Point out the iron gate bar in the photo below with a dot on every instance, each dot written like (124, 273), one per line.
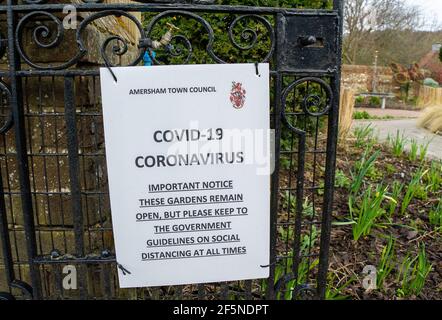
(74, 173)
(20, 141)
(4, 231)
(4, 236)
(152, 7)
(281, 73)
(299, 191)
(95, 260)
(332, 141)
(275, 175)
(74, 163)
(77, 73)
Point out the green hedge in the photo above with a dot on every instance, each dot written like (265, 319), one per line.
(220, 23)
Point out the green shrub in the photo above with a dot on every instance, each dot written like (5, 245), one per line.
(359, 100)
(359, 115)
(375, 101)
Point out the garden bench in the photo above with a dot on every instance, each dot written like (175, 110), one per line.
(381, 95)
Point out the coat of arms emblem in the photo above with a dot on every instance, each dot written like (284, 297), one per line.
(237, 95)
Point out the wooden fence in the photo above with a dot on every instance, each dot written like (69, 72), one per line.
(428, 96)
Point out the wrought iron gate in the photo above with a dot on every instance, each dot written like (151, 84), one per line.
(54, 206)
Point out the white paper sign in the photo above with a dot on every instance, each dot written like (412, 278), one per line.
(187, 156)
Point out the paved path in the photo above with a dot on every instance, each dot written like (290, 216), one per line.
(410, 130)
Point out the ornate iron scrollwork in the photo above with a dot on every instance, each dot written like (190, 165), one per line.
(25, 288)
(181, 38)
(314, 104)
(247, 35)
(50, 34)
(47, 38)
(117, 50)
(42, 35)
(6, 296)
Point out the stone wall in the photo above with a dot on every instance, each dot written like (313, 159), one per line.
(360, 78)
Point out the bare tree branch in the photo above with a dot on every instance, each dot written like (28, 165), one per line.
(371, 23)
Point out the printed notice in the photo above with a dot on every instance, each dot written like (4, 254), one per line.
(188, 161)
